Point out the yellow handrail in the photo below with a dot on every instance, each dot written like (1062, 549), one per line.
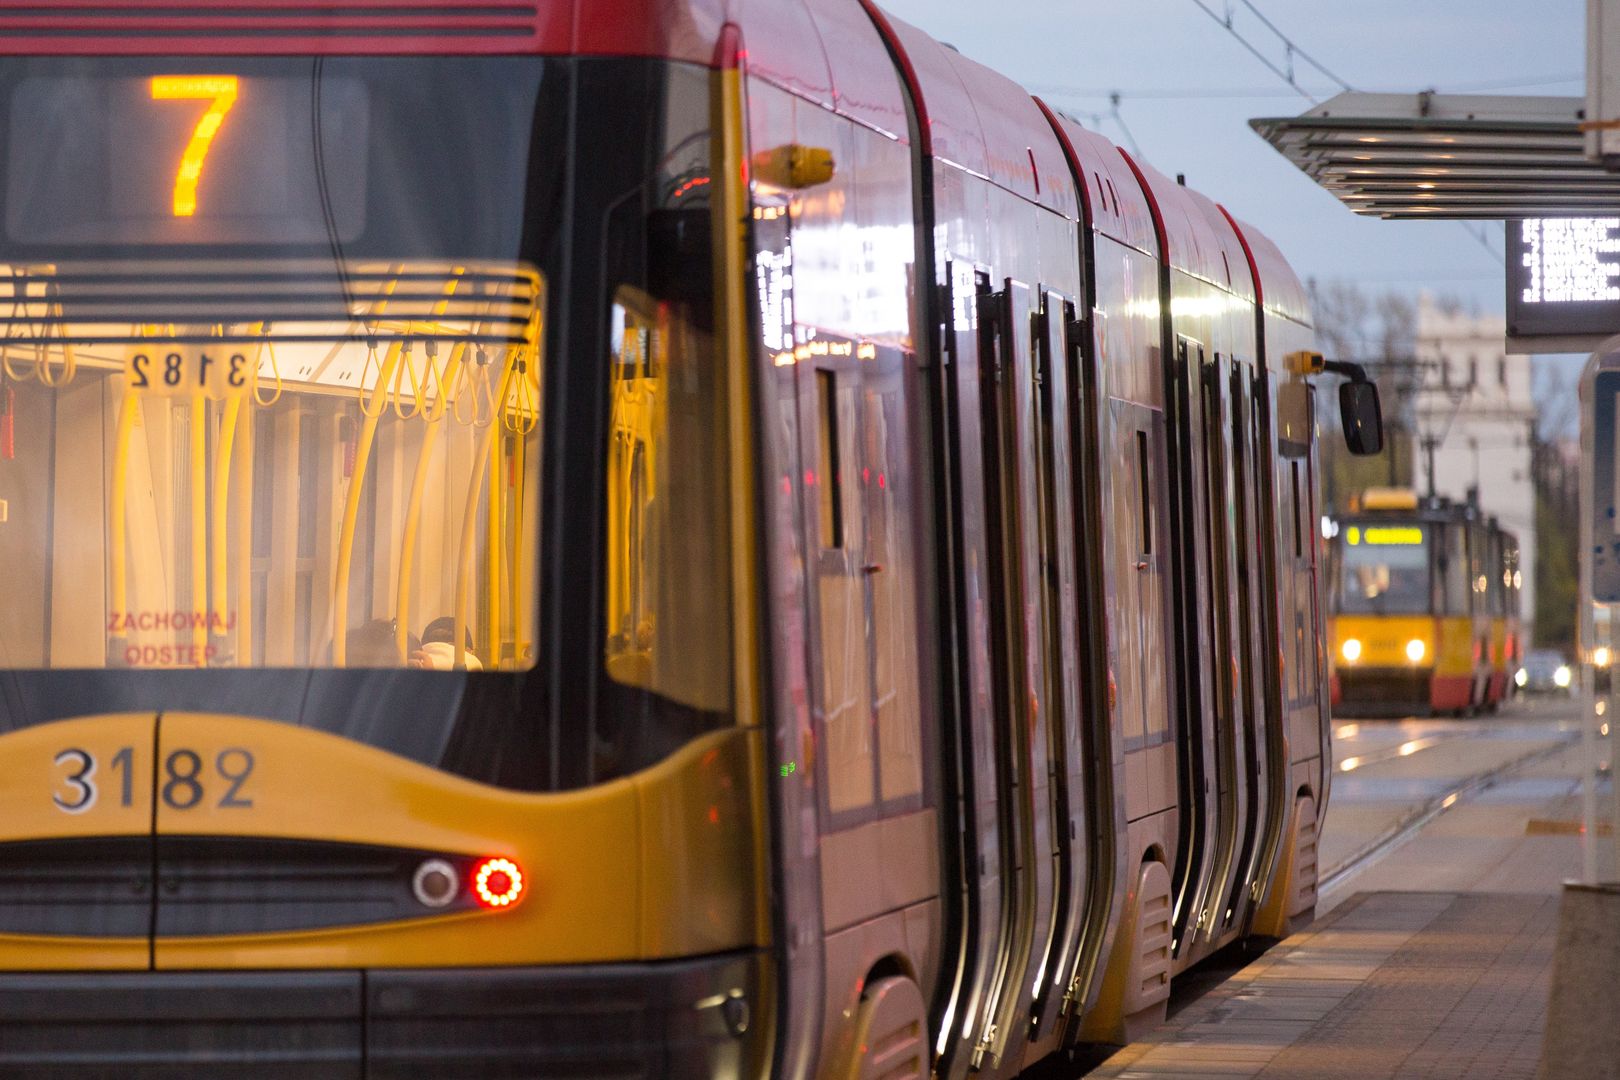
(494, 521)
(413, 509)
(351, 507)
(222, 492)
(118, 526)
(199, 528)
(244, 541)
(469, 525)
(515, 571)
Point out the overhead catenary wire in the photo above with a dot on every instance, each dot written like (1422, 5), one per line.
(1291, 50)
(1113, 103)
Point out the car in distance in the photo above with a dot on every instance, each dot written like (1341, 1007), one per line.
(1544, 672)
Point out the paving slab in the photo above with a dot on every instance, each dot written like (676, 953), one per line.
(1389, 986)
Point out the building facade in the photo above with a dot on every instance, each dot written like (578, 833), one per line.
(1474, 419)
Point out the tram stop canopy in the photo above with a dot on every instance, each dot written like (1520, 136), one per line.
(1429, 155)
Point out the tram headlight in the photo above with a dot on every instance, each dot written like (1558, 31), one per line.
(1561, 677)
(1521, 677)
(1600, 657)
(1350, 650)
(1416, 650)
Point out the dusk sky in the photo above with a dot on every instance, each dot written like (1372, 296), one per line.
(1188, 89)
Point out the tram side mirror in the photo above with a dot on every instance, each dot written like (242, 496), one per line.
(1361, 417)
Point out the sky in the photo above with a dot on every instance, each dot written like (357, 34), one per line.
(1188, 88)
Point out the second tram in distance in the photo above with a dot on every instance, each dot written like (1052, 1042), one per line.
(1425, 606)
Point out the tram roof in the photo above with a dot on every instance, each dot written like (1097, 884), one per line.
(1193, 242)
(981, 120)
(1116, 205)
(1281, 292)
(825, 50)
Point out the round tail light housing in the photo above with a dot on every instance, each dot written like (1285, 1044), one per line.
(435, 883)
(497, 883)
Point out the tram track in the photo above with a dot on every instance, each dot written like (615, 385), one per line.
(1407, 827)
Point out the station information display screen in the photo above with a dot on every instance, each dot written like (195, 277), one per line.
(1563, 277)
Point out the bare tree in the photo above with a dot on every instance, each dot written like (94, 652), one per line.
(1380, 332)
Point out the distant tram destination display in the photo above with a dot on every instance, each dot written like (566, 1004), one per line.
(1563, 276)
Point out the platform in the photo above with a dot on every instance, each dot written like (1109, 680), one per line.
(1397, 985)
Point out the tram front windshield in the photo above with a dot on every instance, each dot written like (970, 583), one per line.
(281, 387)
(1383, 570)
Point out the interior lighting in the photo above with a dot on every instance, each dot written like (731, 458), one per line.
(1415, 650)
(1350, 650)
(1600, 656)
(497, 883)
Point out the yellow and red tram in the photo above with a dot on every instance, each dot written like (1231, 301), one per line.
(629, 538)
(1425, 606)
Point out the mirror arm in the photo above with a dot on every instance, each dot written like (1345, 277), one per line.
(1352, 371)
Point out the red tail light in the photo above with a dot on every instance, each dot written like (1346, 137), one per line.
(497, 883)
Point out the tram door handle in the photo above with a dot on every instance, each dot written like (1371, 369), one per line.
(871, 568)
(1142, 564)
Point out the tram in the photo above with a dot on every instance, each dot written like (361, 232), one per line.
(1425, 606)
(627, 539)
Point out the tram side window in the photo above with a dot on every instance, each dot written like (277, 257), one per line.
(889, 565)
(1454, 572)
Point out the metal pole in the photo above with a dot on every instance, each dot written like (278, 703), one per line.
(1586, 646)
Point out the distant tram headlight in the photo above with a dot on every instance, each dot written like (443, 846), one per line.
(1415, 650)
(1350, 650)
(1561, 677)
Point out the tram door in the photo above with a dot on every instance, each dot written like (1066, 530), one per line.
(1053, 377)
(1024, 710)
(1228, 675)
(1268, 553)
(1250, 566)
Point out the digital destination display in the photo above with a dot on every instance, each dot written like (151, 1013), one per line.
(210, 158)
(1563, 277)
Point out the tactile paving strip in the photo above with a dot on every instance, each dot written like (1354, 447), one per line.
(1390, 986)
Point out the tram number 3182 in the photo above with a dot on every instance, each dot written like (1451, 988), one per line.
(190, 372)
(183, 783)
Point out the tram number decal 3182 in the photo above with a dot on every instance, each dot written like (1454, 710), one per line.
(203, 372)
(184, 782)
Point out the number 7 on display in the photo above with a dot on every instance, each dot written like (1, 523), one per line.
(221, 91)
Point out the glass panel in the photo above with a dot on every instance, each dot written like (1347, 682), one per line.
(889, 566)
(1384, 570)
(384, 241)
(1454, 571)
(846, 666)
(268, 304)
(667, 561)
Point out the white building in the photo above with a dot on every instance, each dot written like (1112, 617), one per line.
(1476, 408)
